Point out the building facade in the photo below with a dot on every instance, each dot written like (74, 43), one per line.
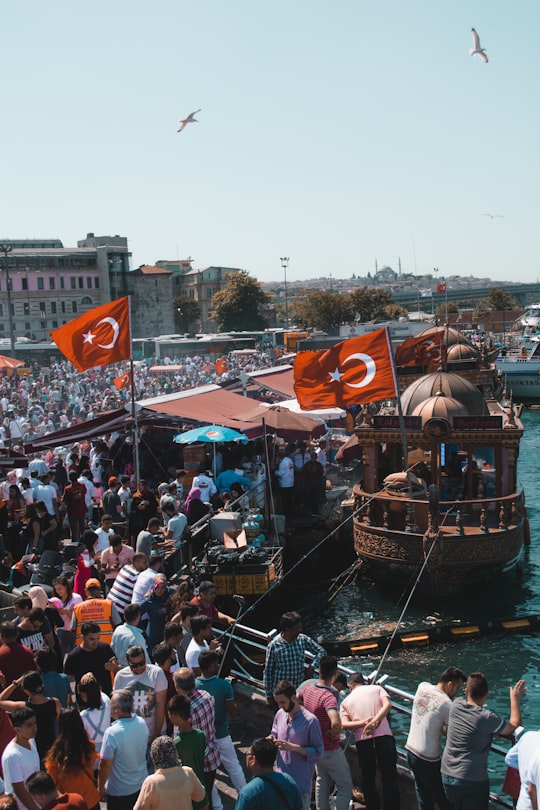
(51, 284)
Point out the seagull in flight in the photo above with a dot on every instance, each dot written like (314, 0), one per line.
(477, 49)
(189, 120)
(492, 216)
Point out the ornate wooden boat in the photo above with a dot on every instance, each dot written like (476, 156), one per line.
(470, 523)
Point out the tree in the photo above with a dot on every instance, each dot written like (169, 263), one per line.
(369, 303)
(238, 306)
(186, 312)
(321, 310)
(499, 300)
(394, 311)
(443, 308)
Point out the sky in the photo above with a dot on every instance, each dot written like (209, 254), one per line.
(336, 133)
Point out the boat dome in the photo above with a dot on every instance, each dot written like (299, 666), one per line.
(439, 406)
(461, 351)
(452, 386)
(449, 336)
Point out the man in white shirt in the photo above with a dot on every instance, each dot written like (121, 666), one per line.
(104, 532)
(86, 478)
(205, 484)
(47, 493)
(524, 756)
(20, 758)
(146, 578)
(285, 476)
(429, 720)
(148, 685)
(202, 639)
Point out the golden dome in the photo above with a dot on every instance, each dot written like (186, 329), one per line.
(452, 386)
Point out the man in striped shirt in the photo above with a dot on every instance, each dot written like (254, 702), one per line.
(122, 590)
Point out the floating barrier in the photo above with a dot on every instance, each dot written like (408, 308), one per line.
(428, 636)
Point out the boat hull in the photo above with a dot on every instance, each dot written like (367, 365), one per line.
(522, 378)
(456, 563)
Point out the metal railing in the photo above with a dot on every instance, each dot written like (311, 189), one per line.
(248, 648)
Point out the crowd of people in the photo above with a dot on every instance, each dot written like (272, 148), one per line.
(118, 696)
(48, 399)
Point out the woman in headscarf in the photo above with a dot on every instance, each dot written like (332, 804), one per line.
(156, 606)
(172, 785)
(194, 508)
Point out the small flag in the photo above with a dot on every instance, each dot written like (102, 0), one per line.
(441, 288)
(220, 366)
(423, 350)
(123, 381)
(99, 337)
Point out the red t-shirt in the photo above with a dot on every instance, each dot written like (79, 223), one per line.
(317, 700)
(16, 660)
(209, 610)
(74, 499)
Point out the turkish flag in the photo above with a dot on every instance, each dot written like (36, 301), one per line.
(350, 373)
(220, 366)
(123, 381)
(424, 350)
(441, 288)
(97, 338)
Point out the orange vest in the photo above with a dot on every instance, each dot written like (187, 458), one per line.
(98, 611)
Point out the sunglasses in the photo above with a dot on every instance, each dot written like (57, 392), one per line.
(137, 664)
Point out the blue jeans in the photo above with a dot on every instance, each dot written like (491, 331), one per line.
(333, 769)
(428, 783)
(465, 794)
(379, 751)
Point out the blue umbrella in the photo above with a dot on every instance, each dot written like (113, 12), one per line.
(210, 433)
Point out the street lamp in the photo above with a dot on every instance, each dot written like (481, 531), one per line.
(6, 250)
(285, 263)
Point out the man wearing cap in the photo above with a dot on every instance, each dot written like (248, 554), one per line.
(111, 503)
(75, 503)
(97, 610)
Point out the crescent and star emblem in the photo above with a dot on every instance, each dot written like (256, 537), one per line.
(113, 323)
(371, 370)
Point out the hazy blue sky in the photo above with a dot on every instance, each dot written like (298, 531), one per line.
(335, 132)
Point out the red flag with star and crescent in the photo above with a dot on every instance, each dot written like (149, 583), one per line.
(97, 338)
(422, 350)
(352, 372)
(123, 381)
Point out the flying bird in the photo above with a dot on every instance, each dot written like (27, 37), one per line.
(477, 49)
(492, 216)
(189, 120)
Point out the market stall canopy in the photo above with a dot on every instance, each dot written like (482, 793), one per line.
(9, 362)
(350, 450)
(207, 404)
(279, 379)
(104, 423)
(285, 423)
(321, 413)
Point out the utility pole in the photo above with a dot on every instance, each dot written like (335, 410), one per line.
(6, 250)
(284, 264)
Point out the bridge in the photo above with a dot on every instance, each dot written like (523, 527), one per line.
(411, 298)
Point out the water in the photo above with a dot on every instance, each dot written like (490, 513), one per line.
(503, 659)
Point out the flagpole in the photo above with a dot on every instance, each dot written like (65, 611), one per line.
(410, 508)
(134, 414)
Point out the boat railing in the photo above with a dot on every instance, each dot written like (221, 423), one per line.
(248, 657)
(483, 513)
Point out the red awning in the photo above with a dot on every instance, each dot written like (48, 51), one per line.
(212, 405)
(279, 379)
